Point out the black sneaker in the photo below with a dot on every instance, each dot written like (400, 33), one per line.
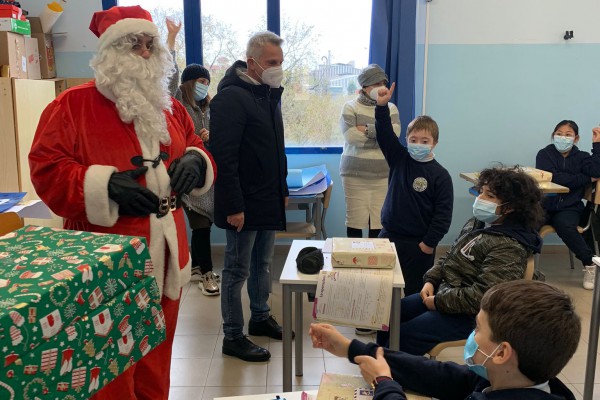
(269, 327)
(244, 349)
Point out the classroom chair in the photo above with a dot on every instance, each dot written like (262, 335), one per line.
(10, 221)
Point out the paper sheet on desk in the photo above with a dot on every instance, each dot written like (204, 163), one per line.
(299, 178)
(31, 209)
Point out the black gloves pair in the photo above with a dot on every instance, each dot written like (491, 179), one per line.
(186, 173)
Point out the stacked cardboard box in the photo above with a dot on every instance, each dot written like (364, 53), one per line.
(45, 48)
(76, 310)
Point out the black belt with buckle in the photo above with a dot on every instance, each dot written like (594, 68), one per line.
(166, 204)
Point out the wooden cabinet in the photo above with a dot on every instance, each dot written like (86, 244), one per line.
(22, 102)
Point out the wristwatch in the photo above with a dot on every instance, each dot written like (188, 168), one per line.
(367, 130)
(380, 379)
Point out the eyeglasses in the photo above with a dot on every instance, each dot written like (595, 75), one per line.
(142, 44)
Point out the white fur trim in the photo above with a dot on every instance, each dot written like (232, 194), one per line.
(210, 172)
(99, 208)
(125, 27)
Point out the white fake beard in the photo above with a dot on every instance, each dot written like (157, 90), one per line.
(139, 88)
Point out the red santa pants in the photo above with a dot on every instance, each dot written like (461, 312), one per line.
(149, 378)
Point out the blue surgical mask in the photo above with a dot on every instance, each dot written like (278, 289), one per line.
(485, 211)
(563, 143)
(200, 91)
(471, 347)
(418, 151)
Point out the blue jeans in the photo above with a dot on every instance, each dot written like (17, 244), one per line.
(421, 329)
(248, 255)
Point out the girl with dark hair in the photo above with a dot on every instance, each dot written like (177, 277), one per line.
(574, 169)
(193, 94)
(492, 247)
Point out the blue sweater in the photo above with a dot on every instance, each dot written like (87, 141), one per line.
(574, 171)
(418, 204)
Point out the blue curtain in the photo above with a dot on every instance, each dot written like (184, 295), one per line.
(392, 47)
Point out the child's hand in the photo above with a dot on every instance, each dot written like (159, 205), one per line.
(326, 337)
(427, 291)
(172, 27)
(430, 303)
(596, 134)
(371, 368)
(384, 94)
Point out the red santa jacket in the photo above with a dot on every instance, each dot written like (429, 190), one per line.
(80, 141)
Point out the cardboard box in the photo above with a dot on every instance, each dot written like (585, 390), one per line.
(32, 54)
(15, 25)
(90, 352)
(12, 53)
(363, 253)
(46, 51)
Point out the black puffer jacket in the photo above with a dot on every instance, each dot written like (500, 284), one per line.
(247, 143)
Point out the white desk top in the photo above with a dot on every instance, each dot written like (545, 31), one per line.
(291, 275)
(297, 396)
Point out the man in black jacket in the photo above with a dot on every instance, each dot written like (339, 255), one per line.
(247, 143)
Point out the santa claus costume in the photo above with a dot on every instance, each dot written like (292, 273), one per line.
(124, 120)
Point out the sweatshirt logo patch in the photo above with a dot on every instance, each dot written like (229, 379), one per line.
(420, 184)
(466, 249)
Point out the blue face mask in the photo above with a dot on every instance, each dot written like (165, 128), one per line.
(563, 143)
(485, 211)
(471, 347)
(418, 151)
(200, 91)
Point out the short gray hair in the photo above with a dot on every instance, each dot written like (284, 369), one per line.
(258, 41)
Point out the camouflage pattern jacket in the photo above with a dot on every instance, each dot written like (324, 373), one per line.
(480, 258)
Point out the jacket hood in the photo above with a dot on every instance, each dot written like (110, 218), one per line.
(526, 236)
(232, 78)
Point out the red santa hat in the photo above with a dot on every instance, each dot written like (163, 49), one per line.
(117, 22)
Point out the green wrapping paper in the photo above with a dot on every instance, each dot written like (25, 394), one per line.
(58, 289)
(49, 277)
(90, 352)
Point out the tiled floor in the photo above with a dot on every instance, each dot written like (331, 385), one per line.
(200, 371)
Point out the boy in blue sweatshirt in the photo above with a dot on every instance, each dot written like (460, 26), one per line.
(417, 210)
(515, 352)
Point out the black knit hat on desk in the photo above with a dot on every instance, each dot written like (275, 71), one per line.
(193, 72)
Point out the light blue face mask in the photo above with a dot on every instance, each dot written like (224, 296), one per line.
(485, 211)
(200, 91)
(471, 347)
(418, 151)
(563, 143)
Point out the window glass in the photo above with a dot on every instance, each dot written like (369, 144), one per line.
(226, 27)
(326, 45)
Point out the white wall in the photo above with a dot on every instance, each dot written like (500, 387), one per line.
(513, 21)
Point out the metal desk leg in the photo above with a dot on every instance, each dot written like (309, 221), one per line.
(395, 319)
(318, 212)
(590, 368)
(287, 337)
(298, 353)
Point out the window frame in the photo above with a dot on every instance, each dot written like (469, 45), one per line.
(194, 51)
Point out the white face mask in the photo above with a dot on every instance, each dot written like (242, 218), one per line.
(373, 93)
(272, 76)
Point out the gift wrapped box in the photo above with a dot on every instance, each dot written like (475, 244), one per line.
(51, 277)
(363, 253)
(91, 351)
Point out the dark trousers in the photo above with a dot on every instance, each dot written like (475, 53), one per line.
(422, 329)
(414, 263)
(565, 223)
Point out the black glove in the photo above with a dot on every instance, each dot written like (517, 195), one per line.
(132, 198)
(187, 172)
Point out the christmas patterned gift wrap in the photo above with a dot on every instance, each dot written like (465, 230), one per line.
(90, 352)
(49, 277)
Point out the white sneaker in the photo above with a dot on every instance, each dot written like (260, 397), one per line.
(208, 284)
(196, 274)
(589, 275)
